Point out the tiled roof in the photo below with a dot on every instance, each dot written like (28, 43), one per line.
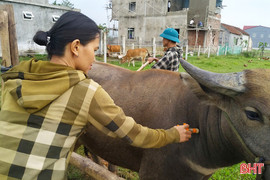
(242, 31)
(234, 30)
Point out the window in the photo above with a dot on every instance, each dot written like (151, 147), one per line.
(254, 35)
(27, 15)
(55, 18)
(130, 33)
(132, 6)
(236, 41)
(262, 35)
(169, 6)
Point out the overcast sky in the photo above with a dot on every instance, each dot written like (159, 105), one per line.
(236, 13)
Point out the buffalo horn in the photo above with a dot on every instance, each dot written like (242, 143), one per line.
(224, 83)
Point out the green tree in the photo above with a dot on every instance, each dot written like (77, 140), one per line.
(102, 26)
(262, 46)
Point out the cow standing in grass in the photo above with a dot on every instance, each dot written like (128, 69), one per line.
(231, 110)
(113, 49)
(135, 54)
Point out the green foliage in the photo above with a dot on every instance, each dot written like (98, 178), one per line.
(250, 54)
(244, 43)
(54, 2)
(127, 174)
(102, 26)
(230, 63)
(65, 3)
(0, 92)
(262, 46)
(73, 173)
(36, 56)
(232, 173)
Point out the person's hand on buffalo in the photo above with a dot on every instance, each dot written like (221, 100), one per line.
(184, 133)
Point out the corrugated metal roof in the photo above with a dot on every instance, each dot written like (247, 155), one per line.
(234, 30)
(248, 27)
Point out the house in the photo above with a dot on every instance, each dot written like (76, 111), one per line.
(141, 21)
(234, 38)
(258, 34)
(31, 16)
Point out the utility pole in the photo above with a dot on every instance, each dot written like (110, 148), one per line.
(108, 7)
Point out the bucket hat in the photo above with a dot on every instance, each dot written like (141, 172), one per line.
(170, 34)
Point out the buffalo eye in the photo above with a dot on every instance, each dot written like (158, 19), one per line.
(253, 114)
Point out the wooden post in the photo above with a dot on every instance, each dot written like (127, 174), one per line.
(199, 51)
(105, 45)
(186, 58)
(154, 47)
(13, 46)
(140, 42)
(218, 50)
(4, 44)
(154, 50)
(92, 169)
(132, 46)
(101, 44)
(197, 34)
(9, 45)
(6, 58)
(123, 45)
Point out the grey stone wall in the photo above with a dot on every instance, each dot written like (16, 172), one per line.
(42, 20)
(149, 20)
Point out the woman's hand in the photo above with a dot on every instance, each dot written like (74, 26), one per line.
(185, 134)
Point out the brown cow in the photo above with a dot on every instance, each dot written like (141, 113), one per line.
(134, 54)
(113, 49)
(231, 110)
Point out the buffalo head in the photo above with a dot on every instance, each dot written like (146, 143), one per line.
(245, 99)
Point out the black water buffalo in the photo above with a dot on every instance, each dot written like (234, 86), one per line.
(231, 110)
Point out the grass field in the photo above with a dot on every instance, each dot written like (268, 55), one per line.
(231, 63)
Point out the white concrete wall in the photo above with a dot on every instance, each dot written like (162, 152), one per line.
(247, 46)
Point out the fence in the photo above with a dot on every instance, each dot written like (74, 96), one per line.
(224, 50)
(158, 50)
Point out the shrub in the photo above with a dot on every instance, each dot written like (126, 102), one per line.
(250, 54)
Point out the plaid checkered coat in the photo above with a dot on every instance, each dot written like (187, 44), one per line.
(170, 60)
(45, 107)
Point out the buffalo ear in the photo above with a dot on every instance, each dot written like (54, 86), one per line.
(196, 88)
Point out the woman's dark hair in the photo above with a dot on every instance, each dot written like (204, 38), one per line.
(70, 26)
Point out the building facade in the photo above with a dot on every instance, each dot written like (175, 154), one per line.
(258, 34)
(142, 20)
(31, 16)
(234, 38)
